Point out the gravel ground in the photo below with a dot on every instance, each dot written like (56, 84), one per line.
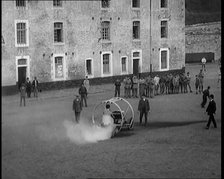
(175, 144)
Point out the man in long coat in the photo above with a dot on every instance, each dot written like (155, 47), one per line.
(143, 108)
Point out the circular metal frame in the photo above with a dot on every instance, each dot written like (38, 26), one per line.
(114, 101)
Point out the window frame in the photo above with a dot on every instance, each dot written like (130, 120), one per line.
(57, 7)
(63, 34)
(86, 74)
(164, 6)
(165, 20)
(27, 57)
(139, 30)
(140, 59)
(126, 65)
(27, 33)
(21, 7)
(110, 64)
(105, 8)
(139, 2)
(167, 59)
(64, 67)
(109, 29)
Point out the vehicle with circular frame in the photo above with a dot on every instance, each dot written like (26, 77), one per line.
(121, 112)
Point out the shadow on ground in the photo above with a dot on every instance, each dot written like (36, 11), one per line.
(157, 125)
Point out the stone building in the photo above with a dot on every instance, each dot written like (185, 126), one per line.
(68, 40)
(204, 38)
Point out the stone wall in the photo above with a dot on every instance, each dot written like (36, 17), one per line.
(203, 38)
(81, 30)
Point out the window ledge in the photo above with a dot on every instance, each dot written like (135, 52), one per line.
(105, 8)
(59, 43)
(23, 45)
(166, 69)
(136, 8)
(106, 41)
(136, 40)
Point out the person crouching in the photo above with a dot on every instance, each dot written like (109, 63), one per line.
(107, 118)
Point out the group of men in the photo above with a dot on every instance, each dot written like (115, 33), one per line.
(27, 88)
(151, 86)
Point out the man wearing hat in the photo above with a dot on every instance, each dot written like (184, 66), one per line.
(77, 108)
(211, 109)
(143, 108)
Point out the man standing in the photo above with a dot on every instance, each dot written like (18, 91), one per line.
(201, 80)
(77, 108)
(125, 87)
(204, 97)
(28, 87)
(135, 86)
(144, 108)
(156, 82)
(117, 88)
(203, 61)
(128, 83)
(196, 83)
(35, 87)
(141, 86)
(86, 84)
(211, 111)
(189, 81)
(23, 94)
(83, 93)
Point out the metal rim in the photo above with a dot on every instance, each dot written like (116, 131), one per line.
(113, 101)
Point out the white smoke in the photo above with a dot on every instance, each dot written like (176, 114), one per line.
(82, 133)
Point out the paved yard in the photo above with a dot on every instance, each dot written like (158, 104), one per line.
(174, 145)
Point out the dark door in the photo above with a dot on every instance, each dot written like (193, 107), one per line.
(21, 75)
(135, 66)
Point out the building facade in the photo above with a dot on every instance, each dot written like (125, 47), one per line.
(68, 40)
(204, 38)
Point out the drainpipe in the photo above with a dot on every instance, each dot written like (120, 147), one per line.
(150, 32)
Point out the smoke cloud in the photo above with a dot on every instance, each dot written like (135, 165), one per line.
(82, 133)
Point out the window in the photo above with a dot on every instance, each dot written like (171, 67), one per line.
(57, 3)
(136, 61)
(136, 3)
(106, 63)
(124, 64)
(136, 54)
(105, 30)
(22, 61)
(20, 3)
(164, 3)
(136, 30)
(89, 67)
(164, 29)
(58, 32)
(105, 3)
(59, 67)
(164, 59)
(21, 33)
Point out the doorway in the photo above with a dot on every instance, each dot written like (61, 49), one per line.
(21, 75)
(135, 67)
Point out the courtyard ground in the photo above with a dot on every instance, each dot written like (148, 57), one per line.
(175, 144)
